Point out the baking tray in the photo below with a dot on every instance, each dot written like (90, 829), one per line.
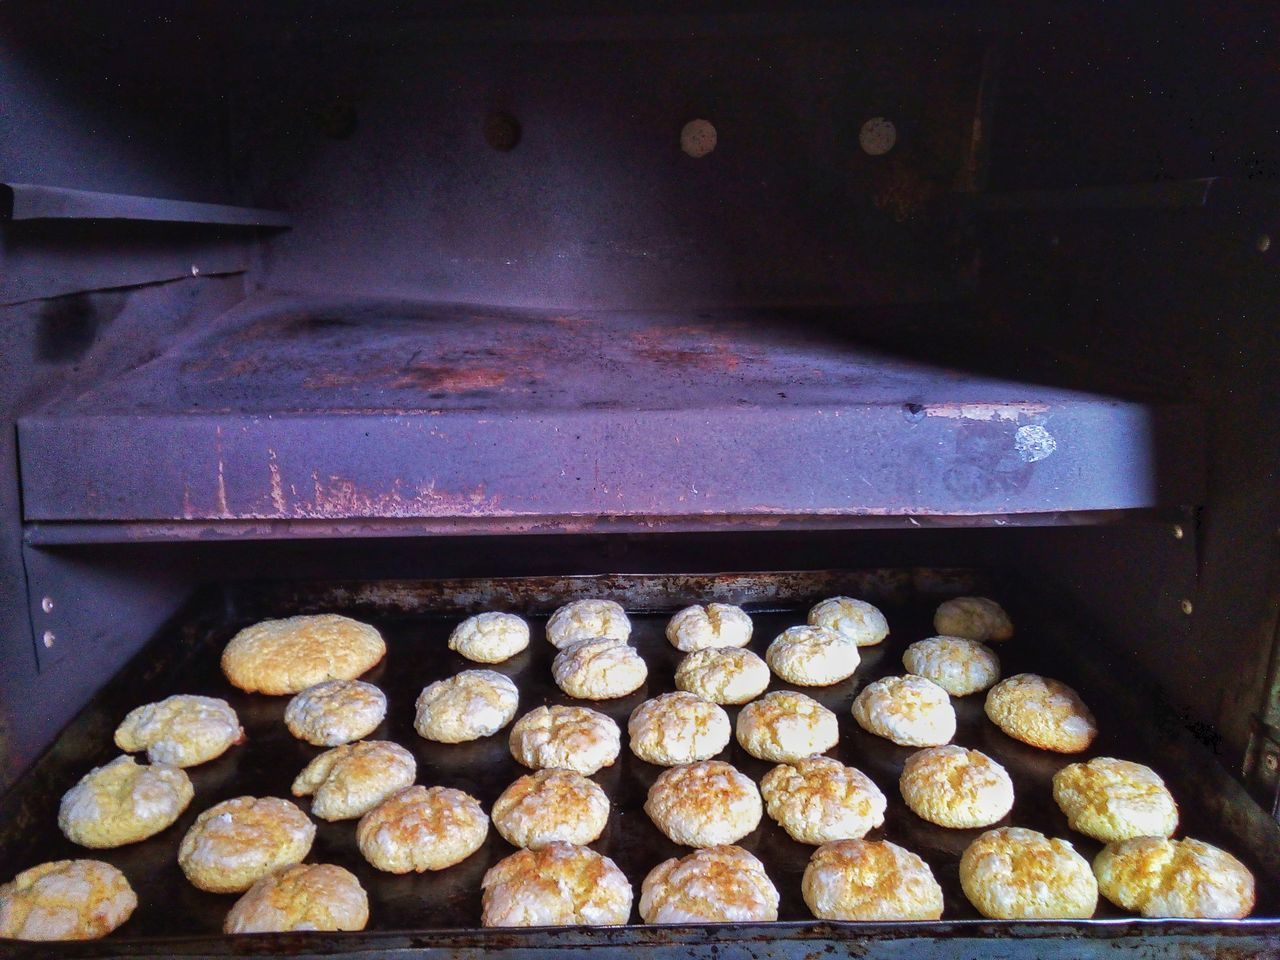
(440, 911)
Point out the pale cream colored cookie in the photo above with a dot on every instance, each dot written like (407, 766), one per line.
(715, 885)
(490, 637)
(957, 788)
(181, 731)
(819, 799)
(785, 726)
(910, 711)
(870, 880)
(574, 738)
(599, 669)
(973, 618)
(715, 625)
(1158, 877)
(854, 620)
(557, 885)
(588, 620)
(958, 666)
(550, 805)
(723, 675)
(704, 804)
(123, 802)
(422, 828)
(236, 843)
(335, 712)
(468, 706)
(1042, 712)
(1111, 800)
(678, 728)
(812, 656)
(65, 900)
(350, 780)
(1017, 874)
(287, 656)
(308, 896)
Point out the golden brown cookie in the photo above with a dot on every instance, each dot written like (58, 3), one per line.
(349, 781)
(308, 896)
(556, 885)
(1158, 877)
(785, 726)
(812, 656)
(870, 880)
(854, 620)
(704, 804)
(490, 637)
(723, 675)
(957, 788)
(236, 843)
(1017, 874)
(468, 706)
(1042, 712)
(548, 806)
(599, 669)
(909, 711)
(1110, 800)
(422, 828)
(287, 656)
(65, 900)
(715, 625)
(714, 885)
(678, 728)
(181, 731)
(587, 620)
(123, 802)
(819, 799)
(973, 618)
(574, 738)
(335, 712)
(958, 666)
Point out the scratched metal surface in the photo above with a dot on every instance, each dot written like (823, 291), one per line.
(291, 409)
(420, 911)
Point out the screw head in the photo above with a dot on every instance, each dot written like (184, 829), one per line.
(1271, 762)
(1178, 532)
(1263, 243)
(1186, 606)
(46, 604)
(48, 639)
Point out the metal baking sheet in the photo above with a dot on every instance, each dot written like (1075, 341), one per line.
(442, 909)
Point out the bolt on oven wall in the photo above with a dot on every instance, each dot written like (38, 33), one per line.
(374, 296)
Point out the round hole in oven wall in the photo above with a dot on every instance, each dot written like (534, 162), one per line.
(501, 131)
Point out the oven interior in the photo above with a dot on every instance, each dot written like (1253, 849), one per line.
(319, 293)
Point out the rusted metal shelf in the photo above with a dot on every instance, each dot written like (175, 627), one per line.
(294, 409)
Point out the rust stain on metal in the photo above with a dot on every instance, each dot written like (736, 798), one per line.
(693, 347)
(340, 497)
(984, 411)
(223, 508)
(277, 486)
(449, 379)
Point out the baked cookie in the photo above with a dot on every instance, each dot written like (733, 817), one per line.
(678, 728)
(599, 669)
(1042, 712)
(704, 804)
(973, 618)
(909, 711)
(819, 799)
(557, 885)
(714, 885)
(1111, 800)
(287, 656)
(854, 620)
(574, 738)
(1158, 877)
(723, 675)
(785, 726)
(182, 730)
(236, 843)
(715, 625)
(65, 900)
(958, 666)
(812, 656)
(870, 880)
(335, 712)
(422, 828)
(1017, 874)
(955, 787)
(123, 802)
(350, 780)
(587, 620)
(548, 806)
(490, 637)
(468, 706)
(308, 896)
